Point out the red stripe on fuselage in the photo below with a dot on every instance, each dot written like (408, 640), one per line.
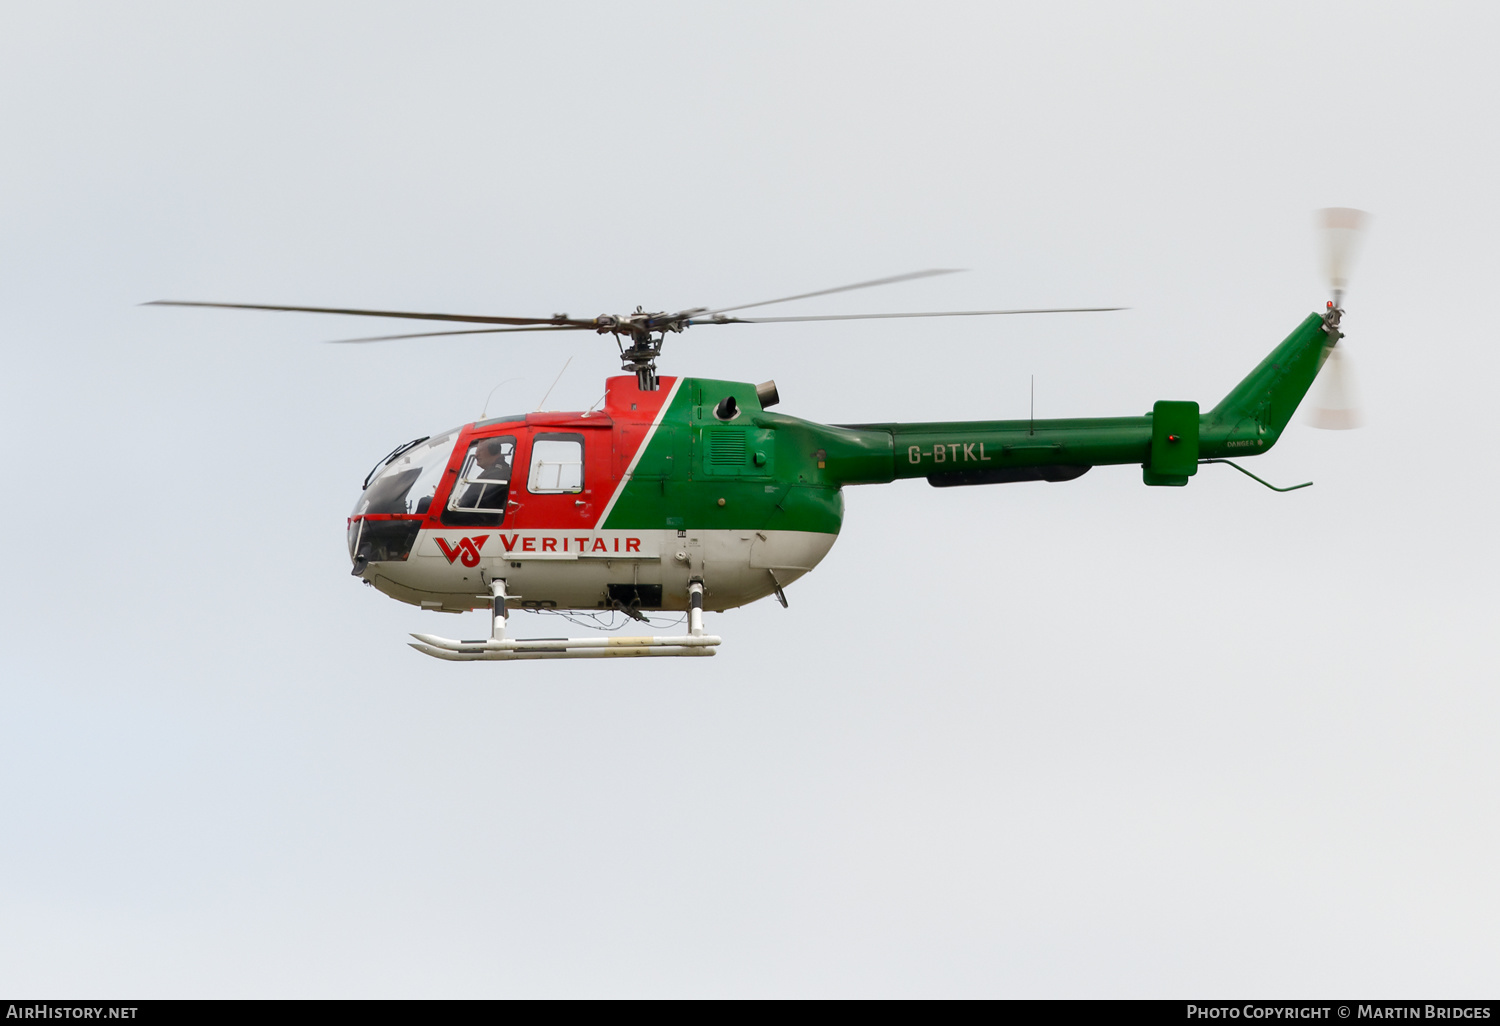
(613, 437)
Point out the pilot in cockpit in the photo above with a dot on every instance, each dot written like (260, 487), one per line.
(492, 458)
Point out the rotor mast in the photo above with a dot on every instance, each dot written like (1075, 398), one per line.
(647, 332)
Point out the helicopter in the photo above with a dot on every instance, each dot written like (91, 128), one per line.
(690, 495)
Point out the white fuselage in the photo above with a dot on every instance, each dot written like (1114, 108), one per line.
(450, 569)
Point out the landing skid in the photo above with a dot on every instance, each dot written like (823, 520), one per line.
(499, 648)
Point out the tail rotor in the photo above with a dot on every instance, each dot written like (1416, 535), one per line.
(1336, 406)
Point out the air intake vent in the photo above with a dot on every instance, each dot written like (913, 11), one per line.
(726, 448)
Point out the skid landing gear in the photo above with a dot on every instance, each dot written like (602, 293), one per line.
(499, 648)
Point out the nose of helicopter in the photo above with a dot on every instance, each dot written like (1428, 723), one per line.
(361, 560)
(381, 538)
(396, 494)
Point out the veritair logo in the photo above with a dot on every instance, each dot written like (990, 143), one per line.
(466, 551)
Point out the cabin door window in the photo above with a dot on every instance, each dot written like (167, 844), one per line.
(556, 464)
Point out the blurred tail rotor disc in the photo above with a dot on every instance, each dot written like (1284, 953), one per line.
(1336, 406)
(1341, 235)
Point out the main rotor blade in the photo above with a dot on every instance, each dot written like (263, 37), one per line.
(882, 316)
(842, 288)
(467, 318)
(471, 331)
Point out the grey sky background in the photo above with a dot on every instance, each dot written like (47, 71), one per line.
(1086, 739)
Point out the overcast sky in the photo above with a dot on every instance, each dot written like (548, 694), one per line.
(1086, 739)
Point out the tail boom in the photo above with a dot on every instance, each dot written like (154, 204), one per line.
(1168, 443)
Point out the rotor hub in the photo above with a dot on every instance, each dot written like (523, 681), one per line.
(1332, 318)
(646, 332)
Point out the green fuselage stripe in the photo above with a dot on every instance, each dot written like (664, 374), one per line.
(767, 471)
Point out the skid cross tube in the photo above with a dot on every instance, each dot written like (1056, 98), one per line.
(695, 608)
(499, 614)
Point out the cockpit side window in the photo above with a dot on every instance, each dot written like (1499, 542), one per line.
(479, 496)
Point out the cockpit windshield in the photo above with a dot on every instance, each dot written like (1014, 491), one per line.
(408, 479)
